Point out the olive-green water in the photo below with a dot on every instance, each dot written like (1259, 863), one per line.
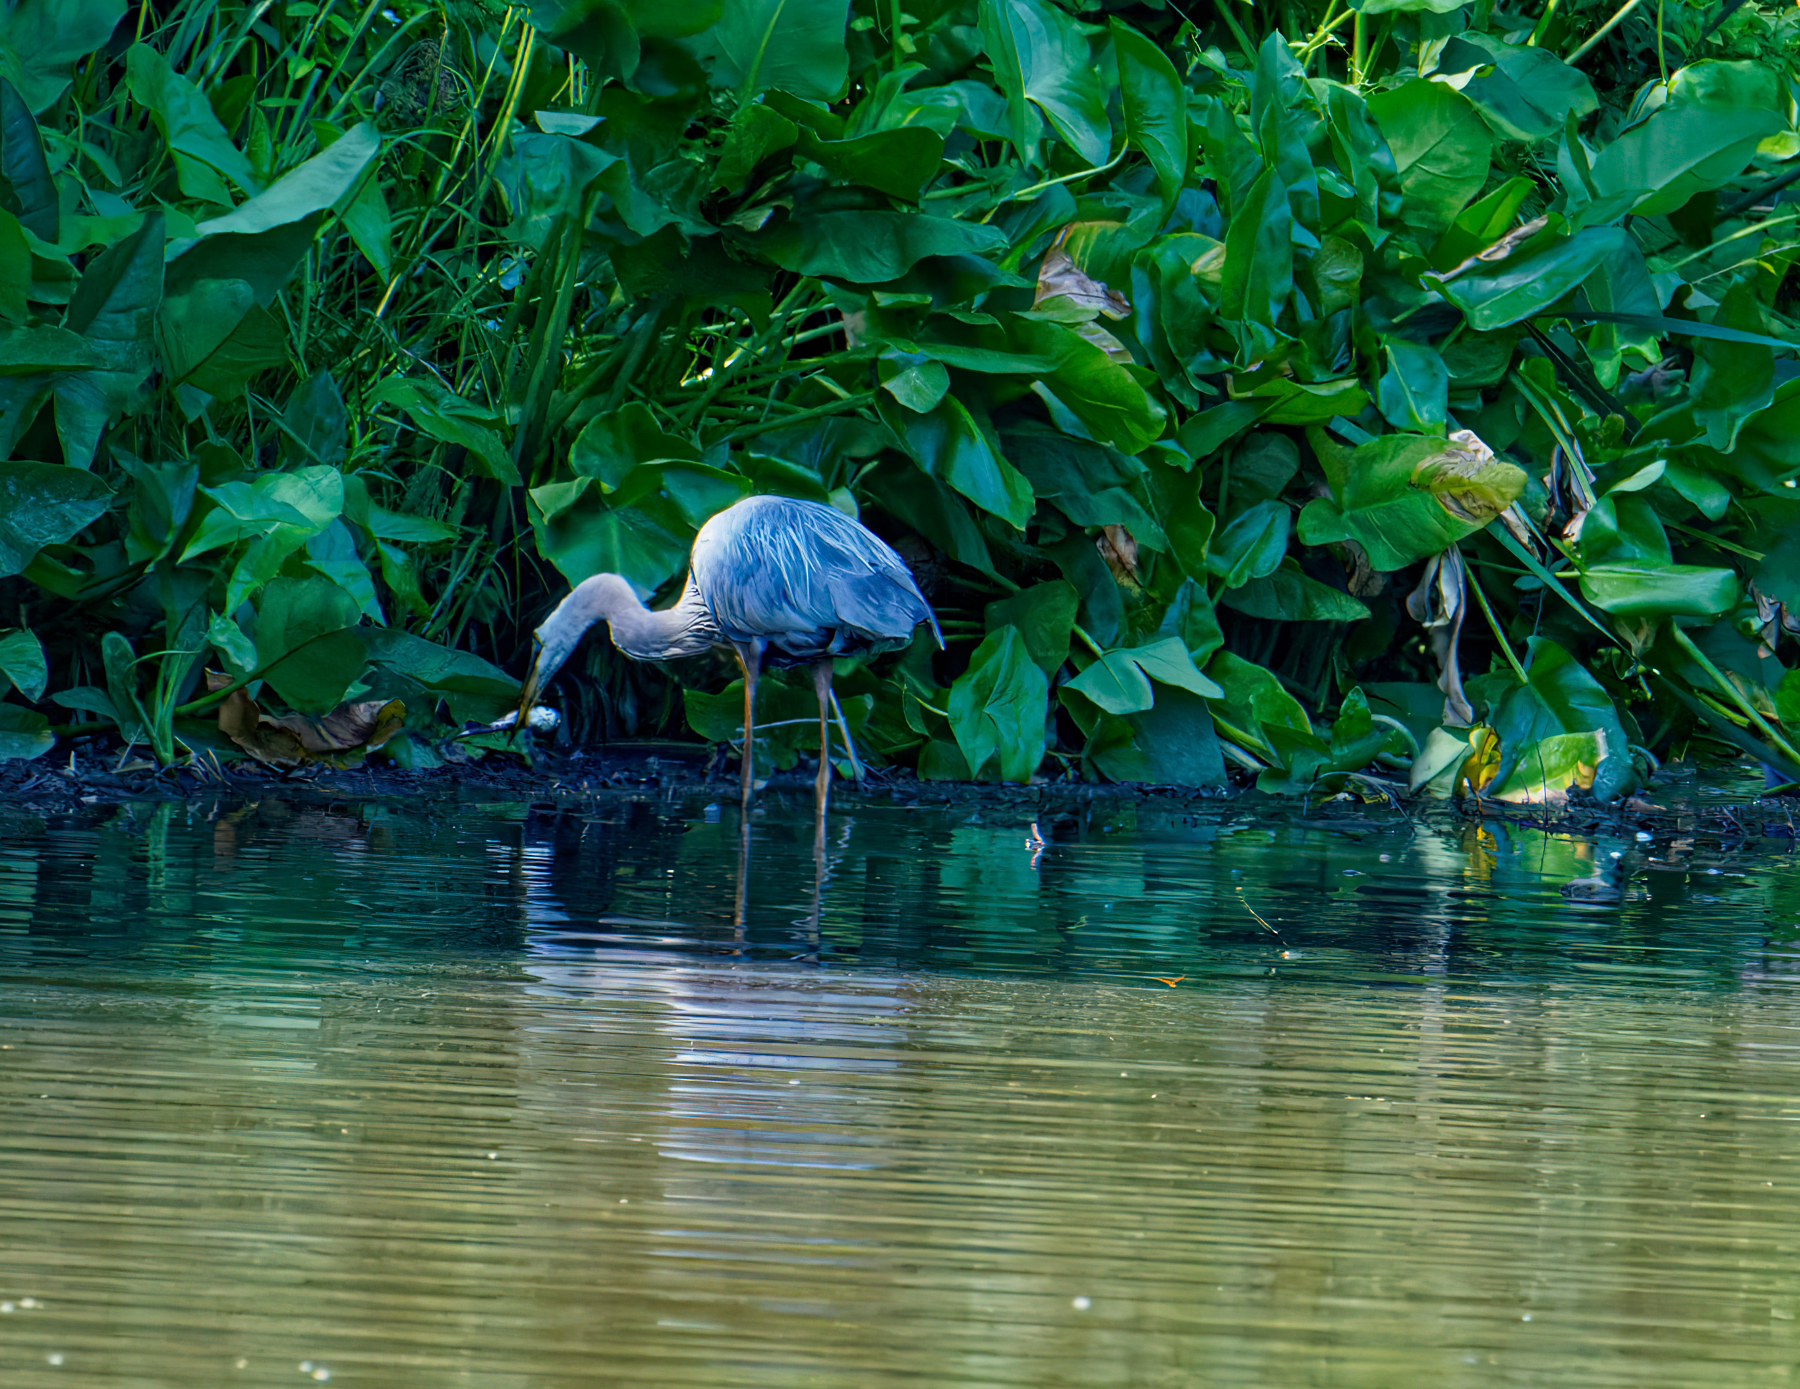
(426, 1096)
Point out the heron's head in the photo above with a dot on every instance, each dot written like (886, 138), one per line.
(555, 638)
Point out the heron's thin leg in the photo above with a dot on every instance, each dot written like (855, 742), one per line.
(749, 654)
(856, 766)
(822, 688)
(740, 911)
(818, 897)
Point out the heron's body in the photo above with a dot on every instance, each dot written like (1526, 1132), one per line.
(780, 581)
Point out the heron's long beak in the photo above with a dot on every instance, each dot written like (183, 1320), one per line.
(528, 691)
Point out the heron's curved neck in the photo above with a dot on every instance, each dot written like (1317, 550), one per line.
(683, 630)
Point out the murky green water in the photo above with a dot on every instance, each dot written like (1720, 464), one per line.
(414, 1097)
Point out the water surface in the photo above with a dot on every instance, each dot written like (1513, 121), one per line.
(407, 1095)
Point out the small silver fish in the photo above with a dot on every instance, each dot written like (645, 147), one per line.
(542, 719)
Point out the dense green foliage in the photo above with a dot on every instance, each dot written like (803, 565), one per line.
(1299, 386)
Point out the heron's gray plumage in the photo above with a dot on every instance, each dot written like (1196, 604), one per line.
(805, 579)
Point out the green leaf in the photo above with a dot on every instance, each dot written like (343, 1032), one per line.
(316, 185)
(1206, 433)
(896, 162)
(1530, 279)
(24, 167)
(1411, 6)
(1155, 106)
(582, 534)
(15, 269)
(1415, 392)
(114, 309)
(371, 227)
(30, 351)
(22, 663)
(160, 504)
(1640, 589)
(475, 690)
(1044, 615)
(1109, 398)
(1090, 484)
(1280, 399)
(1253, 699)
(120, 663)
(1192, 620)
(948, 444)
(918, 382)
(1289, 595)
(200, 147)
(795, 45)
(545, 179)
(998, 706)
(24, 734)
(871, 247)
(1042, 62)
(39, 39)
(1731, 382)
(1686, 327)
(316, 423)
(228, 639)
(300, 629)
(1173, 744)
(1560, 698)
(1259, 254)
(1404, 497)
(610, 446)
(1115, 683)
(1529, 94)
(1481, 224)
(300, 504)
(1166, 660)
(1252, 543)
(450, 419)
(215, 285)
(42, 504)
(1440, 146)
(1681, 150)
(756, 132)
(1545, 772)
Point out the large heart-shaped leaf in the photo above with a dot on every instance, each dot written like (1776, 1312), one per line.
(997, 707)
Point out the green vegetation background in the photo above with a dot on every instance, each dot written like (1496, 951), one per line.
(1303, 388)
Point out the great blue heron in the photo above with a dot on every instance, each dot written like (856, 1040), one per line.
(781, 582)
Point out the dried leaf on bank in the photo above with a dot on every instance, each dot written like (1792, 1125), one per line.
(338, 739)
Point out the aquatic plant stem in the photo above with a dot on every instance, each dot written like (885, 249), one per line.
(1494, 625)
(1619, 16)
(1735, 695)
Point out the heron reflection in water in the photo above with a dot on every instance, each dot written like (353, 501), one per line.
(781, 582)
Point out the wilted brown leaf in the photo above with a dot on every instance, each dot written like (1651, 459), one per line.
(338, 739)
(1059, 277)
(1440, 603)
(1118, 547)
(1468, 481)
(1570, 483)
